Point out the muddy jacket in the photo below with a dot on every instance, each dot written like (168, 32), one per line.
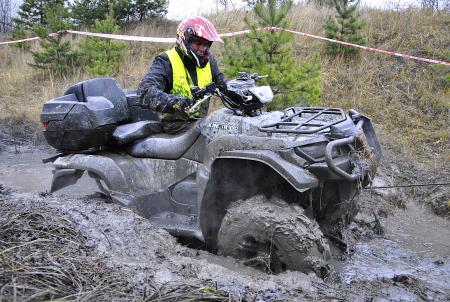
(155, 88)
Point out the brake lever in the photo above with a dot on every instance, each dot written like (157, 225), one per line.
(198, 93)
(205, 98)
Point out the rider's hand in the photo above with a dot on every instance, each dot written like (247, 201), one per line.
(181, 103)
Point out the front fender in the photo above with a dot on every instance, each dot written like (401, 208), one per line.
(237, 175)
(297, 177)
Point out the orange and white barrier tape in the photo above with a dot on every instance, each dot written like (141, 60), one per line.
(238, 33)
(388, 52)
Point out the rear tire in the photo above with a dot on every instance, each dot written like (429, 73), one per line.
(273, 236)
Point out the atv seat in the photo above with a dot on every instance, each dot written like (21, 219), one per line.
(127, 133)
(165, 146)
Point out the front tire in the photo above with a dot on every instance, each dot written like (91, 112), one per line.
(273, 236)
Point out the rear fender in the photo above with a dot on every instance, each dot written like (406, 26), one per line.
(69, 169)
(128, 180)
(65, 177)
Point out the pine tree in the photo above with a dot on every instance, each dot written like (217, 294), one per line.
(56, 56)
(344, 27)
(146, 9)
(124, 10)
(321, 2)
(33, 12)
(104, 56)
(269, 52)
(86, 12)
(137, 10)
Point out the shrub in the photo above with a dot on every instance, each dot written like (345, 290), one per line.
(104, 56)
(56, 55)
(270, 52)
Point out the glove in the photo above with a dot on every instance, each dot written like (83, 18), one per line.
(180, 103)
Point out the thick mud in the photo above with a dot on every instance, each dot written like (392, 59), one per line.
(415, 244)
(403, 257)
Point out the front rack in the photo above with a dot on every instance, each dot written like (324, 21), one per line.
(309, 125)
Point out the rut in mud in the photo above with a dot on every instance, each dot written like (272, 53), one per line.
(94, 250)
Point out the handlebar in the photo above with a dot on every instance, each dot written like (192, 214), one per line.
(237, 97)
(251, 76)
(199, 93)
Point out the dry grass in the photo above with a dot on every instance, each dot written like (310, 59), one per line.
(408, 99)
(45, 256)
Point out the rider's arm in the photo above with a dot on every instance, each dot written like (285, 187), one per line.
(154, 88)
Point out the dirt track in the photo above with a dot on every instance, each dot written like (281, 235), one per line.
(56, 246)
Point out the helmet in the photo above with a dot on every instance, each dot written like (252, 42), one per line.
(194, 37)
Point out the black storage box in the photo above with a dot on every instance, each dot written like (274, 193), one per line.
(86, 116)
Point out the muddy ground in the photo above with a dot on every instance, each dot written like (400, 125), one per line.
(76, 245)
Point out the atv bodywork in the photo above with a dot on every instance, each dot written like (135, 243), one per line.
(317, 159)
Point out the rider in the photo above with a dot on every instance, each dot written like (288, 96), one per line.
(166, 87)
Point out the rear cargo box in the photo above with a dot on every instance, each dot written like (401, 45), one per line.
(86, 116)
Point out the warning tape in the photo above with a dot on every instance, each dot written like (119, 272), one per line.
(28, 39)
(238, 33)
(124, 37)
(388, 52)
(18, 41)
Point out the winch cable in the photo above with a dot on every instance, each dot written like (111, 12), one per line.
(439, 184)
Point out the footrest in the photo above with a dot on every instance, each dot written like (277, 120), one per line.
(178, 225)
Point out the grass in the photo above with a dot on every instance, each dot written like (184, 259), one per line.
(408, 100)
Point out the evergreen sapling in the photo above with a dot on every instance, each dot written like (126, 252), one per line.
(270, 52)
(344, 26)
(56, 55)
(103, 56)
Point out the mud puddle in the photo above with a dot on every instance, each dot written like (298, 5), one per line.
(26, 173)
(416, 244)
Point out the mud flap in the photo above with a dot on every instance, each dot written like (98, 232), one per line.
(64, 177)
(371, 138)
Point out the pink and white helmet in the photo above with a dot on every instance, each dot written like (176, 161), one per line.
(195, 29)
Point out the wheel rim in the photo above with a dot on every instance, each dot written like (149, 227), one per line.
(261, 255)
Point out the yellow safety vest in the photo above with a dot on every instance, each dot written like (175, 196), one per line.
(181, 79)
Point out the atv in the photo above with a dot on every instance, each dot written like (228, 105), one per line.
(263, 187)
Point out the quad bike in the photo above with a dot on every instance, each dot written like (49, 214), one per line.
(263, 187)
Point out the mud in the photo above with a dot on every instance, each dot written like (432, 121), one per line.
(409, 263)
